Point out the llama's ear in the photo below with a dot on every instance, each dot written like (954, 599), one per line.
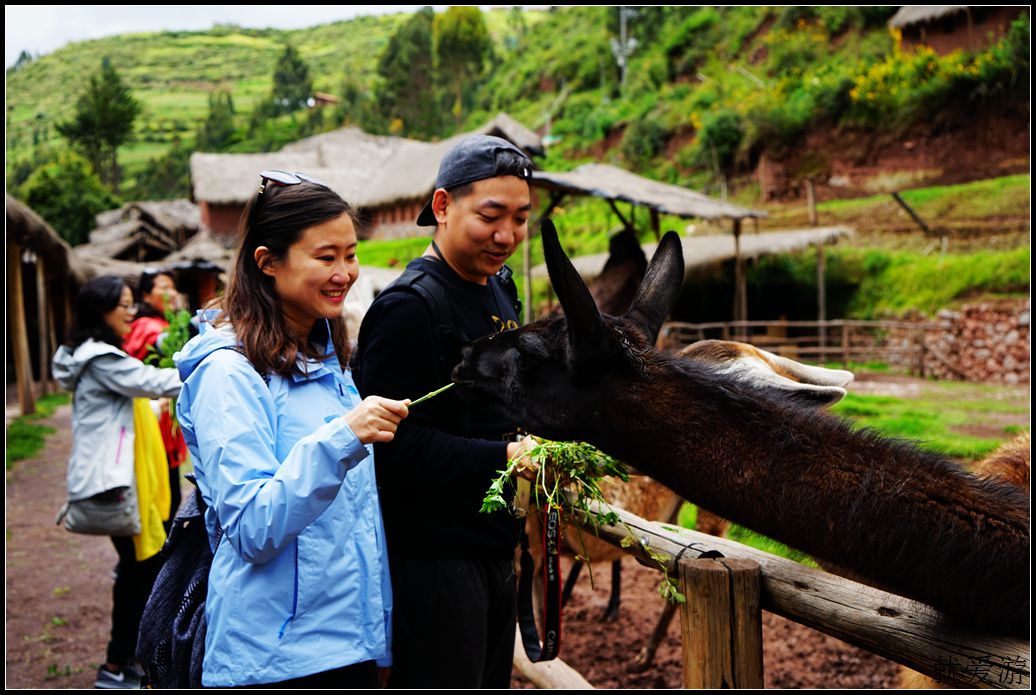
(587, 334)
(661, 286)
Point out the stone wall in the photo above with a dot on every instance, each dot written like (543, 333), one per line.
(987, 342)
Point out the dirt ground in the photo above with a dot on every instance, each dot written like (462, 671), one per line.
(58, 602)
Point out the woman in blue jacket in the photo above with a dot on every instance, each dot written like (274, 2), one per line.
(299, 593)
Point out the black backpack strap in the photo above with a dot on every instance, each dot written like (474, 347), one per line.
(505, 277)
(434, 295)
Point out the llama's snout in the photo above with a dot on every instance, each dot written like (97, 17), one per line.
(466, 373)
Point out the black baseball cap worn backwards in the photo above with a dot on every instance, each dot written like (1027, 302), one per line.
(472, 159)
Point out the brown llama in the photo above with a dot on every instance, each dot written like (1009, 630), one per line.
(1011, 462)
(881, 508)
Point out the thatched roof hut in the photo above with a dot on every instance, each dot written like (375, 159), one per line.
(373, 172)
(946, 28)
(32, 233)
(142, 231)
(43, 276)
(914, 14)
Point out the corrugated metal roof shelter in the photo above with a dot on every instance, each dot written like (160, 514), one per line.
(716, 248)
(614, 184)
(705, 250)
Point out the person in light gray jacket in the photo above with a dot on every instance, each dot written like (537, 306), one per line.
(104, 381)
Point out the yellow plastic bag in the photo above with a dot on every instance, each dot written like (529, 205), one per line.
(152, 473)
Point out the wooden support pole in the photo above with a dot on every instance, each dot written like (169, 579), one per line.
(43, 345)
(527, 309)
(721, 624)
(811, 201)
(910, 211)
(615, 209)
(822, 299)
(656, 226)
(19, 333)
(740, 288)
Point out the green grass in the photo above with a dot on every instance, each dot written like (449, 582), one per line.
(391, 253)
(930, 283)
(688, 517)
(935, 420)
(948, 207)
(24, 436)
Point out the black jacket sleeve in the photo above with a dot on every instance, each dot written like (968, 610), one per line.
(397, 356)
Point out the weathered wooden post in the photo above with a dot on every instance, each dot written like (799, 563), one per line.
(19, 334)
(42, 325)
(811, 201)
(822, 301)
(845, 345)
(721, 623)
(740, 286)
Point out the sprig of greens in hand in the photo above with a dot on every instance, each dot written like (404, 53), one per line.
(567, 475)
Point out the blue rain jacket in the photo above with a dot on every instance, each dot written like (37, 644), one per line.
(299, 583)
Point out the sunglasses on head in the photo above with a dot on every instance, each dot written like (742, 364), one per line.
(286, 178)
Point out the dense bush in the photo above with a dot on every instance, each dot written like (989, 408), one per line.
(906, 86)
(68, 194)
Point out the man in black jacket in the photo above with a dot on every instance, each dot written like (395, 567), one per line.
(452, 566)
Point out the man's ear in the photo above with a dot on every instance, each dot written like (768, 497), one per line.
(264, 259)
(440, 201)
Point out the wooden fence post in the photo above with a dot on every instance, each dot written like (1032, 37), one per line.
(845, 345)
(721, 623)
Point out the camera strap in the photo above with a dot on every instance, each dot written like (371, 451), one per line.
(551, 644)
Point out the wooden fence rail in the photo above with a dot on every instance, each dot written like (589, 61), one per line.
(891, 626)
(898, 343)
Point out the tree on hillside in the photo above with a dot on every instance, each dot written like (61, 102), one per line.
(358, 106)
(517, 27)
(408, 94)
(103, 121)
(67, 194)
(24, 58)
(292, 85)
(217, 130)
(462, 47)
(167, 177)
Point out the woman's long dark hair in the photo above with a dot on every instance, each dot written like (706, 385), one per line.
(145, 286)
(276, 219)
(96, 298)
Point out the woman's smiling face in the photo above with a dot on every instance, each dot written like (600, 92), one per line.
(314, 277)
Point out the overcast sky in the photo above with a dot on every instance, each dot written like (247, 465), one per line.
(42, 29)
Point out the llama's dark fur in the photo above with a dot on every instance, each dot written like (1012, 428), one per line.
(906, 520)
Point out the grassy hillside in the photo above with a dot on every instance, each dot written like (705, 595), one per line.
(173, 73)
(706, 90)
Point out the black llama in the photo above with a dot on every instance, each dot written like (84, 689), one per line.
(903, 519)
